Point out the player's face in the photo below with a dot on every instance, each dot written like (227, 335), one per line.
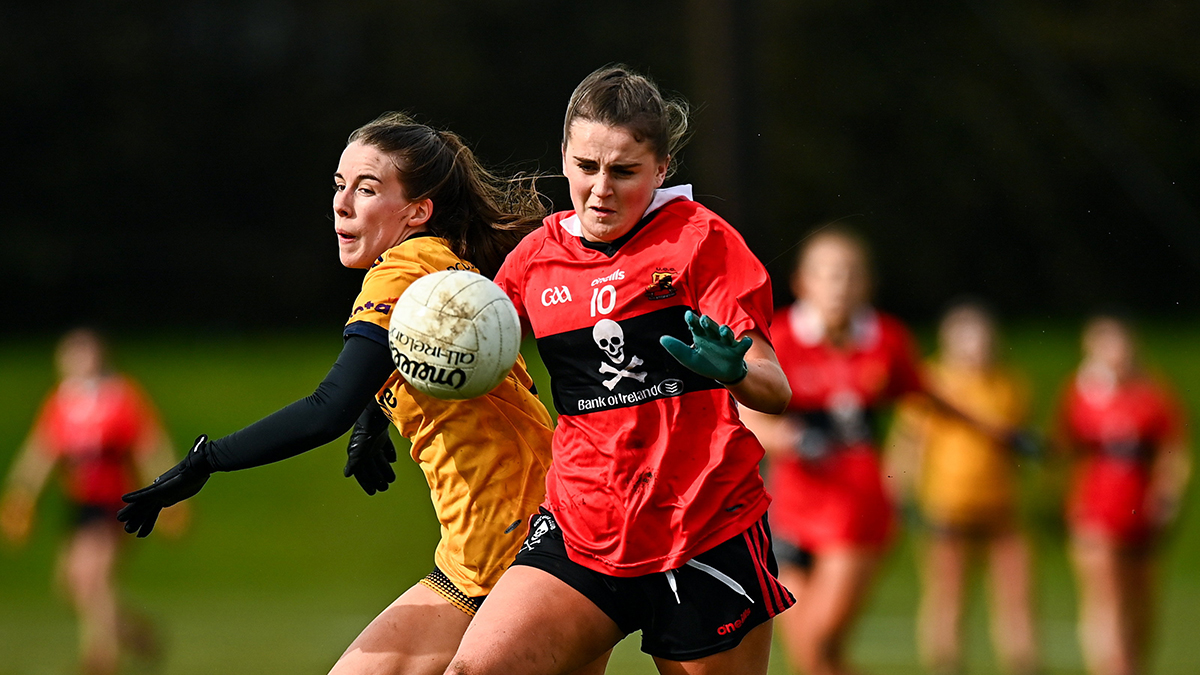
(1108, 344)
(370, 210)
(612, 177)
(967, 340)
(833, 278)
(80, 358)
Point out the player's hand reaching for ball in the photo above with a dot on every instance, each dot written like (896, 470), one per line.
(370, 455)
(714, 352)
(179, 482)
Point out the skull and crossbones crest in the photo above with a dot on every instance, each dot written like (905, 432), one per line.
(610, 338)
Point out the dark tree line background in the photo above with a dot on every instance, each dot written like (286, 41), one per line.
(169, 164)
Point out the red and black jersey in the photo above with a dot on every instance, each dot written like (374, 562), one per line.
(651, 463)
(1130, 420)
(831, 492)
(1118, 428)
(93, 428)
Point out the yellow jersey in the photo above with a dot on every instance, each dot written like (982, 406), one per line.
(967, 479)
(485, 459)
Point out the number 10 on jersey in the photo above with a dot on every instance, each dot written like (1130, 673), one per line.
(604, 299)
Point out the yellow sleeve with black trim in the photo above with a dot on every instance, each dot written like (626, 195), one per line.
(390, 275)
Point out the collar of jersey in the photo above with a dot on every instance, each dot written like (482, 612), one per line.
(662, 197)
(808, 326)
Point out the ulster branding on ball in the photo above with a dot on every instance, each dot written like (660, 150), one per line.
(454, 335)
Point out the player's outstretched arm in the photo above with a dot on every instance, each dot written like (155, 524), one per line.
(747, 366)
(361, 369)
(370, 454)
(178, 483)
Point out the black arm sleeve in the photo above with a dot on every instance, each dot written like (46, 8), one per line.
(361, 369)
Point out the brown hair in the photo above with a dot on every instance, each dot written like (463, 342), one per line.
(837, 232)
(482, 215)
(618, 97)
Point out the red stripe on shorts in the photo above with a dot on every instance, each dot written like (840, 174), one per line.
(755, 542)
(782, 593)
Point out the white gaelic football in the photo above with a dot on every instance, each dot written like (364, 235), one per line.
(454, 335)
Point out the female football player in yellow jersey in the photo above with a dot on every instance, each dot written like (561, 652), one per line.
(966, 486)
(408, 201)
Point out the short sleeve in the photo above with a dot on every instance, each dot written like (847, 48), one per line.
(732, 285)
(382, 287)
(511, 280)
(44, 426)
(906, 376)
(1173, 425)
(139, 414)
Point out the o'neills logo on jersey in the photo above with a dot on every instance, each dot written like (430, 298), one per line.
(556, 296)
(432, 373)
(615, 276)
(661, 284)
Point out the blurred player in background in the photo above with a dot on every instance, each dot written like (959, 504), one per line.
(655, 513)
(1127, 436)
(832, 515)
(408, 201)
(102, 433)
(966, 485)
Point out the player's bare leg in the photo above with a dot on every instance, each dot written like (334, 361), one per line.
(1102, 633)
(1012, 617)
(1140, 601)
(816, 629)
(535, 624)
(939, 616)
(87, 567)
(416, 635)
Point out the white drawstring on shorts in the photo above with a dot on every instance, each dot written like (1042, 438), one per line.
(712, 572)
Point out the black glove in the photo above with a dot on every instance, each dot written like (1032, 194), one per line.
(179, 482)
(1025, 443)
(370, 454)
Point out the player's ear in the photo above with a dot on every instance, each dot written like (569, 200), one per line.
(661, 171)
(422, 212)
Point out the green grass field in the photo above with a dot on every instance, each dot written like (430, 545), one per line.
(285, 564)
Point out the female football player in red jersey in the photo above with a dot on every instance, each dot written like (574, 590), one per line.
(1127, 436)
(832, 514)
(652, 317)
(103, 434)
(409, 200)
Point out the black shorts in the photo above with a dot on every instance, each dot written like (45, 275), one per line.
(82, 514)
(792, 554)
(702, 608)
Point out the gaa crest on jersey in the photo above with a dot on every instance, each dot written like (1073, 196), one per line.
(662, 282)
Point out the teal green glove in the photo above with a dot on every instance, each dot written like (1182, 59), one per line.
(713, 353)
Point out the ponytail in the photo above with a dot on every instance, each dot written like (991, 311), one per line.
(483, 216)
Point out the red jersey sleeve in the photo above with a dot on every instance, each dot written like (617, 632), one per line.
(1172, 424)
(511, 276)
(733, 285)
(140, 415)
(44, 426)
(906, 376)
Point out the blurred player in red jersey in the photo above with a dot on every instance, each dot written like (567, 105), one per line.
(832, 515)
(1126, 433)
(652, 317)
(103, 434)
